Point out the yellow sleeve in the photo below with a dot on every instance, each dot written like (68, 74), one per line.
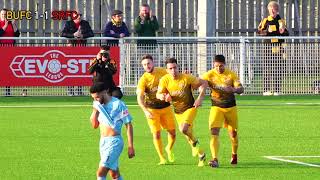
(262, 25)
(236, 80)
(205, 76)
(162, 87)
(141, 86)
(194, 81)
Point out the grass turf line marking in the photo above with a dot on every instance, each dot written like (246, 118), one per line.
(282, 158)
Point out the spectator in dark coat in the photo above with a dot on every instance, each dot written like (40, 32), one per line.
(116, 28)
(77, 28)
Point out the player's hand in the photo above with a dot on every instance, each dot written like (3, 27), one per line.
(229, 89)
(131, 152)
(122, 35)
(167, 98)
(197, 103)
(148, 114)
(112, 32)
(162, 97)
(281, 30)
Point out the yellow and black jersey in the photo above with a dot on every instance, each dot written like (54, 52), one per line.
(148, 86)
(216, 80)
(180, 90)
(273, 24)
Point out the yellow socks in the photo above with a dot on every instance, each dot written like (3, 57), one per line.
(158, 145)
(168, 148)
(171, 141)
(214, 146)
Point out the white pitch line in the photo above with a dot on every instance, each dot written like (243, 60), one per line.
(135, 105)
(279, 158)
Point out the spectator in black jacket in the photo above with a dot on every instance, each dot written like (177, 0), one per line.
(79, 29)
(103, 68)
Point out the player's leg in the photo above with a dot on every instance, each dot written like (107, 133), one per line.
(169, 147)
(167, 122)
(214, 146)
(157, 142)
(110, 150)
(216, 119)
(232, 120)
(155, 128)
(115, 174)
(102, 173)
(186, 127)
(185, 121)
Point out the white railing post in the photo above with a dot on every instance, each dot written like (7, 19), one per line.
(122, 62)
(242, 60)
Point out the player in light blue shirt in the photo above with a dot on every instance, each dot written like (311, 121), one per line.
(110, 114)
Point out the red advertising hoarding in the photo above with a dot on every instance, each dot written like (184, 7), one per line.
(49, 66)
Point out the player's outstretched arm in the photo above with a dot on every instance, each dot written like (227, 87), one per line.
(140, 99)
(202, 85)
(131, 152)
(94, 118)
(239, 90)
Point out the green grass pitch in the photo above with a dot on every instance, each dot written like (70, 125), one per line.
(49, 138)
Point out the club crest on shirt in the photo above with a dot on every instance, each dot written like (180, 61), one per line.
(181, 85)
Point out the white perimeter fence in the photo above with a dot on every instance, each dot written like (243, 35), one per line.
(293, 68)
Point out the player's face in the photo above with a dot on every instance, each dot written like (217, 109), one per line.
(172, 69)
(219, 66)
(147, 65)
(3, 15)
(273, 11)
(99, 96)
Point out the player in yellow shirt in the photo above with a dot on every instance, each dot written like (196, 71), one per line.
(158, 113)
(223, 83)
(177, 87)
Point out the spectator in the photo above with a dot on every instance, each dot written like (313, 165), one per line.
(7, 29)
(146, 25)
(273, 69)
(103, 68)
(79, 29)
(116, 28)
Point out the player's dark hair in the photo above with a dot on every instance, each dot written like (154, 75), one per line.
(105, 47)
(97, 87)
(171, 60)
(220, 58)
(4, 9)
(147, 56)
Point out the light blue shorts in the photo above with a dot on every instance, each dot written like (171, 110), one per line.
(110, 150)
